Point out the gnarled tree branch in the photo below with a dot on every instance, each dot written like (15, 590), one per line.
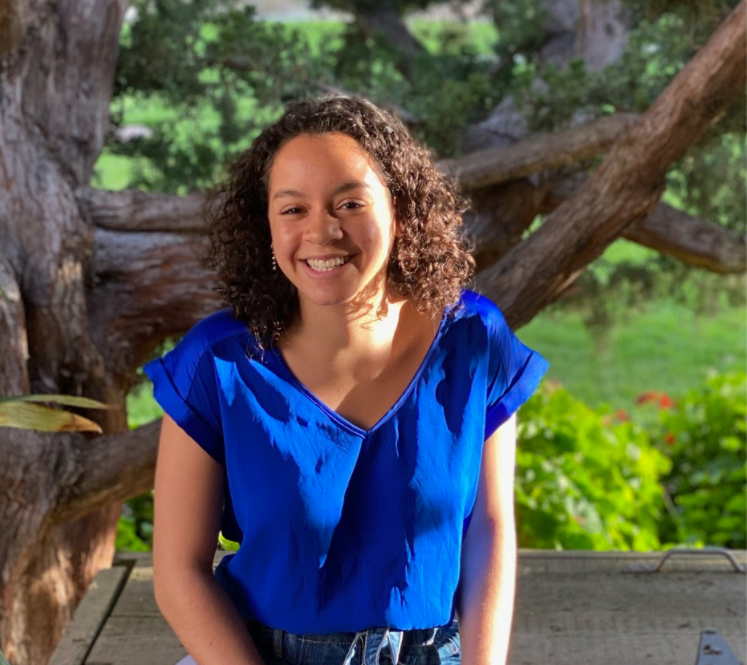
(151, 286)
(540, 152)
(628, 183)
(111, 468)
(692, 240)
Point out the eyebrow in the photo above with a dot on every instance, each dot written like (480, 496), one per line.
(344, 187)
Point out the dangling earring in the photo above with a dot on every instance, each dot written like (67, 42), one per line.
(274, 262)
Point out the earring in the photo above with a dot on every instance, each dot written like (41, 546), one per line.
(274, 262)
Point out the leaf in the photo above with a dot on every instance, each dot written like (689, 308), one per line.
(66, 400)
(22, 415)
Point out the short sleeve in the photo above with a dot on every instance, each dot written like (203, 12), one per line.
(185, 385)
(514, 371)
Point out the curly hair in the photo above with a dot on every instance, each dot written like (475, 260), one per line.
(429, 263)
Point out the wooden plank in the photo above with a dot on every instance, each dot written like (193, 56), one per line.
(135, 631)
(90, 616)
(582, 609)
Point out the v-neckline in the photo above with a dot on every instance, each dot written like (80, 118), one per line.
(341, 420)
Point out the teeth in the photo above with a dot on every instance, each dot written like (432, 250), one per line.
(329, 264)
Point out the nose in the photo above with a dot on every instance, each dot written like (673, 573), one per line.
(323, 228)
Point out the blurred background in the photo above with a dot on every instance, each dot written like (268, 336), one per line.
(637, 438)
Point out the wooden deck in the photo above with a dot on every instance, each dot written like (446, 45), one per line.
(573, 608)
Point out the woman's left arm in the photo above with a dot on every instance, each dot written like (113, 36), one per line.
(485, 602)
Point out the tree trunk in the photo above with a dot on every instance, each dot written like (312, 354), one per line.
(56, 72)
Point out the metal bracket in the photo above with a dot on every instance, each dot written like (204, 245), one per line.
(705, 551)
(715, 650)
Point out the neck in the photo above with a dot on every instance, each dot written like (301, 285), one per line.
(345, 335)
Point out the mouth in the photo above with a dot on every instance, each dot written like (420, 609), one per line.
(327, 265)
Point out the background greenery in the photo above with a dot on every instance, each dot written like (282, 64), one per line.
(600, 466)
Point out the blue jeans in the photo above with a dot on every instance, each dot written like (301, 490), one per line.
(375, 646)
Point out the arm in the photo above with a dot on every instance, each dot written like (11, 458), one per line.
(188, 503)
(488, 571)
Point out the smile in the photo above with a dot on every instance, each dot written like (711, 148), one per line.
(329, 264)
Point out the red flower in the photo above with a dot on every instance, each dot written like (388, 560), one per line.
(645, 398)
(669, 439)
(663, 400)
(622, 416)
(666, 402)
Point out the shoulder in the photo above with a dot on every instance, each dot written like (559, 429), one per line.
(477, 306)
(209, 334)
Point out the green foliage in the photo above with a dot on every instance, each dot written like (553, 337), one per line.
(584, 484)
(706, 437)
(135, 526)
(399, 7)
(520, 24)
(222, 74)
(445, 89)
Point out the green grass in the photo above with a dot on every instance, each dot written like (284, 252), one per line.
(663, 347)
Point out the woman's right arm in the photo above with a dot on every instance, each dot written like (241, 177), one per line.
(188, 501)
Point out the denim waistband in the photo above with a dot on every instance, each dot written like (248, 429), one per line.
(370, 642)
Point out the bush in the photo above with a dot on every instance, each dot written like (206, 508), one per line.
(583, 481)
(705, 435)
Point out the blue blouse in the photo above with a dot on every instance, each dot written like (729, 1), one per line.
(342, 528)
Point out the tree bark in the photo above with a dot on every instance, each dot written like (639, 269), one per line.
(540, 152)
(693, 241)
(56, 73)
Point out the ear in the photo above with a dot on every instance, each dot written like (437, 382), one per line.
(397, 228)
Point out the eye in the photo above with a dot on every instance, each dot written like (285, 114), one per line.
(293, 210)
(351, 205)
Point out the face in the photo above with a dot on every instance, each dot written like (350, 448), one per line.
(331, 219)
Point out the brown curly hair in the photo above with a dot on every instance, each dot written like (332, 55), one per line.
(430, 261)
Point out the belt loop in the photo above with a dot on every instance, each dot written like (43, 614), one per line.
(277, 642)
(351, 651)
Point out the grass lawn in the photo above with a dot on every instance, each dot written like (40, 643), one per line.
(664, 347)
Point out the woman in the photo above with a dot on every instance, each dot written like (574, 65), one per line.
(348, 418)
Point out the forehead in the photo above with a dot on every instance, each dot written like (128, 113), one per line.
(315, 159)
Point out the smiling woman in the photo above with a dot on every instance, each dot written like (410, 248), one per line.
(331, 220)
(348, 418)
(428, 263)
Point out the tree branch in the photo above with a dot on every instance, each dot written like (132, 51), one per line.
(541, 152)
(113, 468)
(133, 210)
(628, 183)
(692, 240)
(151, 286)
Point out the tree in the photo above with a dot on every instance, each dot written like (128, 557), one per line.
(91, 281)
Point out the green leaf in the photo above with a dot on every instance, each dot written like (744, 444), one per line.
(66, 400)
(22, 415)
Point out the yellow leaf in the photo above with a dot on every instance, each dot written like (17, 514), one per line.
(67, 400)
(23, 415)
